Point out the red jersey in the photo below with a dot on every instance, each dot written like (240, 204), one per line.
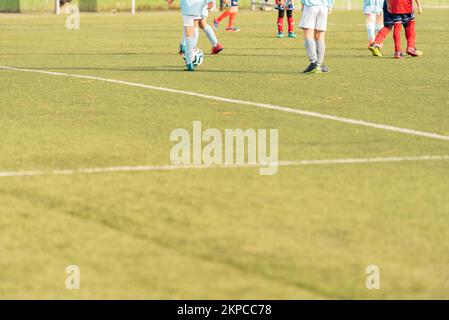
(401, 6)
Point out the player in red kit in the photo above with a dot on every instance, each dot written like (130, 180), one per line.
(398, 13)
(231, 13)
(285, 6)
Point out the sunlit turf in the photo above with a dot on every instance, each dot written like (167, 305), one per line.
(306, 232)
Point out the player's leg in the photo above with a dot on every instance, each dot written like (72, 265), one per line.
(370, 20)
(382, 34)
(410, 33)
(182, 45)
(397, 28)
(310, 45)
(210, 34)
(234, 10)
(370, 24)
(319, 35)
(307, 24)
(196, 36)
(378, 10)
(291, 23)
(189, 25)
(218, 20)
(280, 23)
(321, 50)
(379, 22)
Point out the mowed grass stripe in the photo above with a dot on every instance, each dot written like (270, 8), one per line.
(244, 102)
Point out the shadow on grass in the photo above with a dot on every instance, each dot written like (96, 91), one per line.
(142, 54)
(89, 54)
(159, 69)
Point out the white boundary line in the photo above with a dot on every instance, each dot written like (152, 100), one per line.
(243, 102)
(61, 172)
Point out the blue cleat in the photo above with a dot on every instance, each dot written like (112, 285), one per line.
(216, 24)
(189, 67)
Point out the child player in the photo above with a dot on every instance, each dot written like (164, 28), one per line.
(194, 13)
(314, 24)
(216, 46)
(372, 9)
(231, 13)
(282, 6)
(398, 13)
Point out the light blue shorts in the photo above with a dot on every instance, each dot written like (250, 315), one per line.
(372, 6)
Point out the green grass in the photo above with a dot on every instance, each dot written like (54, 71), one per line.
(307, 232)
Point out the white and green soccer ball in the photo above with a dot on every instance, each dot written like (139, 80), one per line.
(198, 57)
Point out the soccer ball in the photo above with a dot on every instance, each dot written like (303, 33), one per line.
(198, 58)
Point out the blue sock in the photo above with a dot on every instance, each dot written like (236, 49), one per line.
(190, 45)
(210, 34)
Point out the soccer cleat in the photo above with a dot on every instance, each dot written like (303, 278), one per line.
(398, 55)
(232, 29)
(414, 52)
(312, 68)
(217, 49)
(291, 35)
(280, 35)
(216, 24)
(375, 50)
(189, 67)
(182, 49)
(323, 69)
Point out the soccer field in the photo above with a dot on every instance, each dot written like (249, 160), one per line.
(309, 231)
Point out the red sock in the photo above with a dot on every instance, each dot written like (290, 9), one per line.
(231, 20)
(397, 36)
(410, 34)
(291, 24)
(280, 24)
(223, 15)
(381, 35)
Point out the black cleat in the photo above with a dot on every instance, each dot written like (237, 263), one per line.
(312, 68)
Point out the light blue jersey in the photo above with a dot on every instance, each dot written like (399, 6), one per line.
(321, 3)
(197, 8)
(373, 6)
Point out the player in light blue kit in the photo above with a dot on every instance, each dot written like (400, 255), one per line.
(314, 24)
(216, 46)
(194, 14)
(373, 10)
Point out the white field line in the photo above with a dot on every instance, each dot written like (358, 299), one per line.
(60, 172)
(244, 102)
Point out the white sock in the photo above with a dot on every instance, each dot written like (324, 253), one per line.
(310, 45)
